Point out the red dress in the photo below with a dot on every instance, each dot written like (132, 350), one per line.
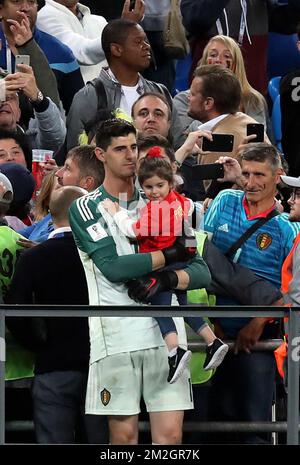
(161, 222)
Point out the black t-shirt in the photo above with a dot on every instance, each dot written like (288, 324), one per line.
(290, 117)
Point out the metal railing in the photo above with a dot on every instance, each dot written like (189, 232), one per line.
(193, 310)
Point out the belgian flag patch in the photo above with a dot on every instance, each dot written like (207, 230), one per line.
(263, 241)
(105, 397)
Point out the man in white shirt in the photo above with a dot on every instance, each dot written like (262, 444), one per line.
(73, 24)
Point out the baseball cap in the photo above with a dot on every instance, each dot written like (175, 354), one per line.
(6, 190)
(21, 179)
(290, 181)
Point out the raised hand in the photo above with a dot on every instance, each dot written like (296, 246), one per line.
(232, 169)
(20, 30)
(111, 207)
(23, 80)
(136, 14)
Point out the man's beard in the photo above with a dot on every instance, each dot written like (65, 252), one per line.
(294, 218)
(192, 115)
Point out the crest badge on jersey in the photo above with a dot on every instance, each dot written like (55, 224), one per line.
(263, 241)
(97, 232)
(105, 397)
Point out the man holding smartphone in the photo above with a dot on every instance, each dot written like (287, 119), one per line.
(244, 384)
(15, 17)
(47, 129)
(215, 97)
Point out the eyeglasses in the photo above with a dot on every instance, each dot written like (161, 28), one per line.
(295, 195)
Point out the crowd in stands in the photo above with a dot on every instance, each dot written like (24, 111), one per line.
(115, 190)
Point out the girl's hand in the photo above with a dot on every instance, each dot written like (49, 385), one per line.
(111, 207)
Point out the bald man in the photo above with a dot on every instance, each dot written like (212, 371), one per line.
(52, 273)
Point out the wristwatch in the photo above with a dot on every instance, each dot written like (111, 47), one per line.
(40, 103)
(39, 98)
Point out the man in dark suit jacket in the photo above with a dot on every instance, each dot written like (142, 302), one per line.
(52, 273)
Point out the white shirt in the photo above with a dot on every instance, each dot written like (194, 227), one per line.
(209, 125)
(61, 230)
(129, 96)
(82, 36)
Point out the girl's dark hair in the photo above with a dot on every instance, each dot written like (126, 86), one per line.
(155, 167)
(146, 141)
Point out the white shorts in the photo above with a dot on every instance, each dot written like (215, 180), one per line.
(116, 384)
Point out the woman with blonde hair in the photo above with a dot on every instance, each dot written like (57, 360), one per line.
(225, 51)
(41, 208)
(42, 226)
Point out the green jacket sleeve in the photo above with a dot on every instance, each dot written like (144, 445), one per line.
(92, 238)
(121, 268)
(199, 274)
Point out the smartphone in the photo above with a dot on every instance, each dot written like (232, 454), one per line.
(209, 171)
(219, 143)
(131, 5)
(22, 60)
(258, 129)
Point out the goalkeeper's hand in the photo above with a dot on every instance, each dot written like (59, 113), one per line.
(143, 289)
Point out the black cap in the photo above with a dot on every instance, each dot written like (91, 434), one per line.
(22, 181)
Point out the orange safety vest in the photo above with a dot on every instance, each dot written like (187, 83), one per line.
(286, 271)
(286, 277)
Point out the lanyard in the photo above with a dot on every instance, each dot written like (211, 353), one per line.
(219, 25)
(8, 59)
(243, 24)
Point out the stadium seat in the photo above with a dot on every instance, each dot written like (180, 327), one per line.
(283, 56)
(182, 74)
(276, 122)
(273, 87)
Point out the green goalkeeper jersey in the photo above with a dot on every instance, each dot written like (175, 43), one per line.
(109, 260)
